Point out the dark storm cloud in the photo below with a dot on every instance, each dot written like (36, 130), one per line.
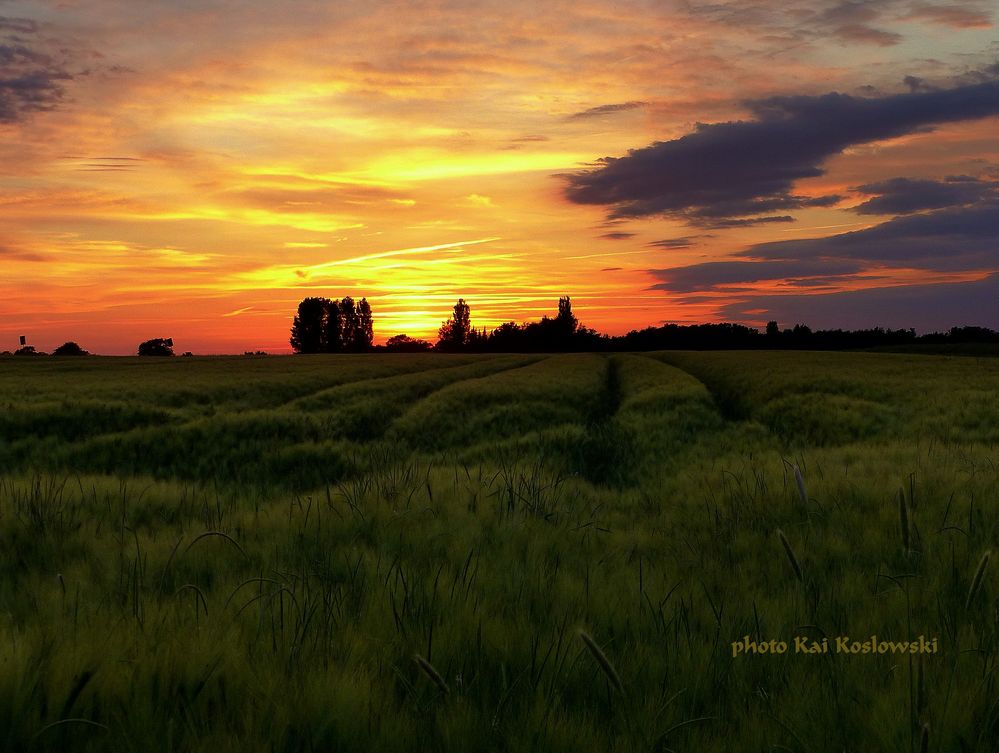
(907, 195)
(30, 80)
(19, 54)
(925, 307)
(596, 112)
(917, 84)
(18, 25)
(960, 238)
(709, 275)
(750, 167)
(31, 92)
(948, 239)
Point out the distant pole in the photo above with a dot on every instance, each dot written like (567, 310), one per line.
(23, 340)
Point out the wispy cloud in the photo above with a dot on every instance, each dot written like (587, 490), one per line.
(602, 110)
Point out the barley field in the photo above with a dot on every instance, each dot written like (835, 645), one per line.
(498, 553)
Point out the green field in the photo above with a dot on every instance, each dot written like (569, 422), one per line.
(247, 554)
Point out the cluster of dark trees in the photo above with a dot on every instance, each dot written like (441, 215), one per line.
(158, 346)
(66, 349)
(563, 332)
(327, 326)
(560, 333)
(800, 337)
(323, 325)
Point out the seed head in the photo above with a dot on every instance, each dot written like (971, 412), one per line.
(602, 660)
(433, 674)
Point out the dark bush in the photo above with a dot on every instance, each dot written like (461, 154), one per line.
(69, 349)
(158, 346)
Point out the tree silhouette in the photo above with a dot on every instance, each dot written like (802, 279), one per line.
(364, 335)
(158, 346)
(330, 326)
(69, 349)
(307, 328)
(454, 332)
(349, 324)
(566, 322)
(331, 339)
(406, 344)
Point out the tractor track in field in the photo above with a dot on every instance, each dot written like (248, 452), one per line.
(603, 456)
(608, 402)
(730, 405)
(183, 421)
(338, 385)
(429, 394)
(534, 360)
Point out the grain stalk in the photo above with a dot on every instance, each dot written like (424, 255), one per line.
(903, 521)
(433, 674)
(791, 557)
(800, 481)
(920, 689)
(976, 582)
(602, 660)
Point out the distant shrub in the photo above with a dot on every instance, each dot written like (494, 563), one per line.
(69, 349)
(407, 344)
(158, 346)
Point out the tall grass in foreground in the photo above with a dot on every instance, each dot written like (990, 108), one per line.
(430, 595)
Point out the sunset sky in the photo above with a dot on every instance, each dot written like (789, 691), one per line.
(194, 168)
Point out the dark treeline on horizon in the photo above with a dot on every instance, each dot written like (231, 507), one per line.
(324, 325)
(564, 333)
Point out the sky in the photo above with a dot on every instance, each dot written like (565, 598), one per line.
(194, 168)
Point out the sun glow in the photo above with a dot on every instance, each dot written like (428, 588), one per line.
(203, 188)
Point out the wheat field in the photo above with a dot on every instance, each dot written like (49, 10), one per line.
(498, 553)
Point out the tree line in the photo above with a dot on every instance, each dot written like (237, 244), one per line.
(563, 332)
(324, 325)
